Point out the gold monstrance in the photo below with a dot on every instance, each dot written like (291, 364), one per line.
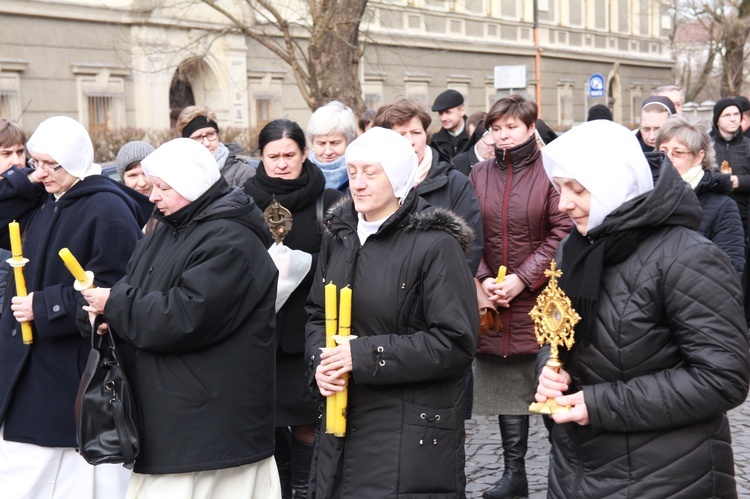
(278, 219)
(554, 320)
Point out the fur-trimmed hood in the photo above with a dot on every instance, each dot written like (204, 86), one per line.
(420, 216)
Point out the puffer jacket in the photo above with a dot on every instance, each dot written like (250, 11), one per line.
(668, 357)
(414, 311)
(522, 229)
(721, 223)
(736, 152)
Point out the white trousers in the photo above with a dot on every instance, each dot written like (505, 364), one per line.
(29, 471)
(257, 481)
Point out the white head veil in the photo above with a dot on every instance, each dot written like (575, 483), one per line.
(606, 159)
(68, 143)
(393, 152)
(185, 164)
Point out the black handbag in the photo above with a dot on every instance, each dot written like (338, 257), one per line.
(106, 420)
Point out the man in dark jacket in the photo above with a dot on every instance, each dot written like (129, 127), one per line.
(732, 151)
(452, 138)
(198, 305)
(12, 153)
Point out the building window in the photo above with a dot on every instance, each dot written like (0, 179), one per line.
(263, 111)
(101, 96)
(103, 112)
(265, 89)
(416, 86)
(372, 89)
(10, 88)
(9, 104)
(565, 104)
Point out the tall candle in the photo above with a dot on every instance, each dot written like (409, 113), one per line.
(15, 239)
(330, 308)
(342, 398)
(73, 266)
(330, 314)
(18, 262)
(345, 311)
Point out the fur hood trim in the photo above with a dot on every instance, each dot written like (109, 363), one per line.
(435, 218)
(429, 218)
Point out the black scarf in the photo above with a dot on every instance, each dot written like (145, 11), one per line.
(582, 266)
(294, 194)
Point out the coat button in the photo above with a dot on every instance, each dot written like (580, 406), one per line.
(56, 308)
(13, 333)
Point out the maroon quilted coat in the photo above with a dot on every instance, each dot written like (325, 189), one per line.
(522, 229)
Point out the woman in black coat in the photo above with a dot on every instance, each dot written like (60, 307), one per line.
(414, 311)
(661, 351)
(197, 305)
(690, 150)
(299, 186)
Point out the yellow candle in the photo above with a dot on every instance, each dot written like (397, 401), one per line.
(500, 274)
(330, 296)
(18, 262)
(73, 266)
(342, 398)
(330, 312)
(345, 311)
(15, 239)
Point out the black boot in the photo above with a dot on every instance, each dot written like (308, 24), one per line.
(282, 456)
(301, 457)
(514, 430)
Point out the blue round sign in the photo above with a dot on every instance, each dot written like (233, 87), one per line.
(596, 85)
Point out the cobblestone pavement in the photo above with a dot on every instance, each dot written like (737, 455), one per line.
(484, 462)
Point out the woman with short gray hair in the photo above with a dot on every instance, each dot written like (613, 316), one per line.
(330, 130)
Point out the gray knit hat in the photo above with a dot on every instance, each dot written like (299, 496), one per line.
(132, 152)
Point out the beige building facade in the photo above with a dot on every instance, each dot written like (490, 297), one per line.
(134, 63)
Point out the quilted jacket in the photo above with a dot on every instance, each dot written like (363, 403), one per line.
(522, 229)
(668, 358)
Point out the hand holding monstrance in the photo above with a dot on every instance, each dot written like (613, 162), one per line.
(554, 320)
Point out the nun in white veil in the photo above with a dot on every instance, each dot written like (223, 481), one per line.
(62, 202)
(414, 312)
(661, 351)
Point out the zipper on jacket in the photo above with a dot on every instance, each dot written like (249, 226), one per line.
(504, 256)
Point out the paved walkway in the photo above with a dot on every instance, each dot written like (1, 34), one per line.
(484, 463)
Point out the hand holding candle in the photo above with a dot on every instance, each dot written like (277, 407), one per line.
(17, 261)
(84, 279)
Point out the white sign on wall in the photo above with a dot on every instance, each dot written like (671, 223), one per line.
(510, 77)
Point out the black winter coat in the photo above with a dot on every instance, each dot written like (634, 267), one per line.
(465, 161)
(668, 358)
(99, 220)
(414, 311)
(446, 187)
(198, 305)
(450, 145)
(721, 223)
(736, 151)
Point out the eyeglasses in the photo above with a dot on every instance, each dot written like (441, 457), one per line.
(211, 136)
(41, 165)
(676, 153)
